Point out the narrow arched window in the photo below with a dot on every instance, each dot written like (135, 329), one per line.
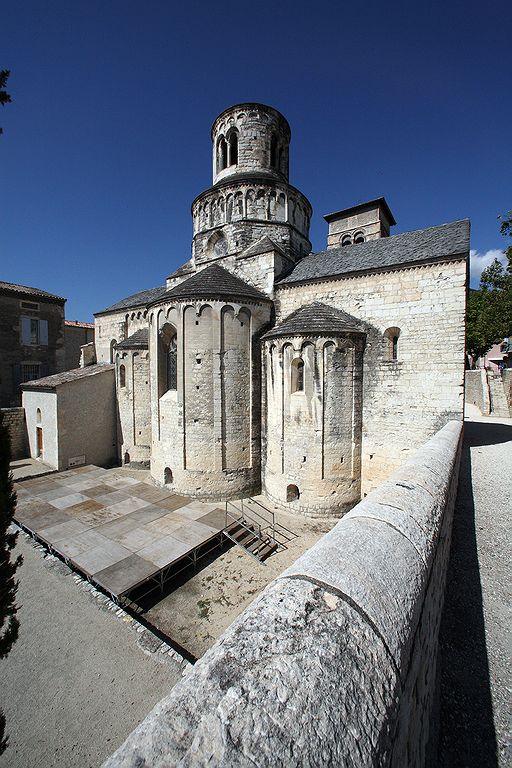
(394, 348)
(358, 237)
(233, 147)
(297, 378)
(113, 344)
(292, 493)
(223, 149)
(122, 376)
(346, 240)
(391, 337)
(172, 367)
(167, 359)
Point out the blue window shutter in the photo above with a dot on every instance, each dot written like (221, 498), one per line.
(25, 330)
(43, 332)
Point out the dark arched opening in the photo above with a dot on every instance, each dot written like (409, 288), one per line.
(292, 493)
(167, 359)
(168, 479)
(233, 147)
(297, 378)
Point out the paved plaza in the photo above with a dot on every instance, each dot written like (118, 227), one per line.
(118, 531)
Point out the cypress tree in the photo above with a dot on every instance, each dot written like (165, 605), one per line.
(9, 623)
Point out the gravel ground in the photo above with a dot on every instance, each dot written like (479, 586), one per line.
(476, 626)
(77, 681)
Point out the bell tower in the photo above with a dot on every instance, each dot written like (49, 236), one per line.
(250, 197)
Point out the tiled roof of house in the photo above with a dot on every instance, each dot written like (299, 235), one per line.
(215, 281)
(423, 245)
(140, 299)
(316, 319)
(138, 340)
(25, 290)
(50, 382)
(78, 324)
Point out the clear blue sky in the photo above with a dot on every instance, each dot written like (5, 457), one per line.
(107, 140)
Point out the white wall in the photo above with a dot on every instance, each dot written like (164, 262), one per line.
(47, 403)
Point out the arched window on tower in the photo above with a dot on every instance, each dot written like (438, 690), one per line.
(122, 376)
(167, 360)
(232, 147)
(297, 377)
(358, 237)
(346, 240)
(222, 154)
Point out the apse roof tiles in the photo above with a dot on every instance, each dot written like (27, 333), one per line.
(214, 280)
(316, 319)
(138, 340)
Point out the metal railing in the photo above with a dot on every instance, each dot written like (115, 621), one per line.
(254, 516)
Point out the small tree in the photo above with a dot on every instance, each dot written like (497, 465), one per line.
(4, 96)
(9, 624)
(489, 309)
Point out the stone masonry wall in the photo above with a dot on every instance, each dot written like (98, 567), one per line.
(335, 662)
(115, 327)
(14, 420)
(476, 390)
(407, 400)
(507, 386)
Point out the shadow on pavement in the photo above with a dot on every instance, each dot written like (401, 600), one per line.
(466, 729)
(482, 433)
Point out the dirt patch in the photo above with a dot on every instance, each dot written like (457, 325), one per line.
(196, 612)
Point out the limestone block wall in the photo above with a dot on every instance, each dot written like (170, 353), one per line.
(507, 386)
(114, 327)
(75, 336)
(476, 390)
(312, 436)
(371, 224)
(404, 400)
(206, 433)
(134, 406)
(14, 420)
(80, 404)
(335, 662)
(228, 219)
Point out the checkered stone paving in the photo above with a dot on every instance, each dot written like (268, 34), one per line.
(118, 531)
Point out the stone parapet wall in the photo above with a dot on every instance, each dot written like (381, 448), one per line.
(14, 420)
(507, 386)
(476, 391)
(335, 662)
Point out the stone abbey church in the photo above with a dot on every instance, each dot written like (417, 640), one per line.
(263, 367)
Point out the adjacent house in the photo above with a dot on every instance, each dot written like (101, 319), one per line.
(32, 342)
